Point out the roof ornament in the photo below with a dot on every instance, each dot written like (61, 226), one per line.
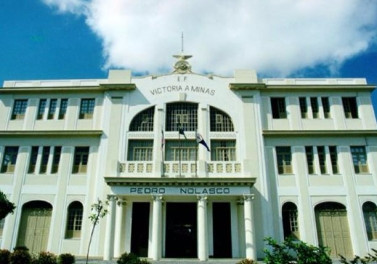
(182, 66)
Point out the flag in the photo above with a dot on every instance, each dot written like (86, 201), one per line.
(181, 131)
(200, 140)
(162, 139)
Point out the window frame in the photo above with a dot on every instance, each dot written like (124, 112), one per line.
(8, 165)
(278, 108)
(80, 160)
(284, 159)
(19, 109)
(87, 106)
(359, 159)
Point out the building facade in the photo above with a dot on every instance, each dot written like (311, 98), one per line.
(285, 158)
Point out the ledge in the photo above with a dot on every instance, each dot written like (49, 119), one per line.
(51, 133)
(71, 89)
(319, 133)
(296, 87)
(157, 181)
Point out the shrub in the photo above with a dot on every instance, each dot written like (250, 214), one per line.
(66, 259)
(4, 256)
(130, 258)
(295, 252)
(356, 260)
(20, 255)
(45, 258)
(6, 207)
(246, 261)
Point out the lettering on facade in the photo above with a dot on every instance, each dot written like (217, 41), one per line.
(181, 191)
(182, 88)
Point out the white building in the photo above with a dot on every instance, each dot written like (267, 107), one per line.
(288, 157)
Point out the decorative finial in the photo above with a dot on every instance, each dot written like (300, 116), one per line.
(182, 66)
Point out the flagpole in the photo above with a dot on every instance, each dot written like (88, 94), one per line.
(197, 153)
(179, 147)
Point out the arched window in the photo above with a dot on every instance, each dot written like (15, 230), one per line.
(290, 221)
(220, 121)
(74, 220)
(143, 121)
(183, 114)
(370, 218)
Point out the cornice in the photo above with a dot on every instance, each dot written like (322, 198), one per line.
(71, 89)
(51, 133)
(319, 133)
(300, 87)
(148, 181)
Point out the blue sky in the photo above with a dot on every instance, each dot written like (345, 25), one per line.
(81, 39)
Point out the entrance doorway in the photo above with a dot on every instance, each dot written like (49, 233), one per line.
(222, 239)
(181, 230)
(35, 226)
(333, 230)
(140, 229)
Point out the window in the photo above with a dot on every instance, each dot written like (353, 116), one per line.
(326, 106)
(63, 108)
(310, 159)
(181, 150)
(322, 159)
(143, 121)
(223, 150)
(44, 161)
(278, 108)
(185, 114)
(334, 159)
(141, 150)
(33, 159)
(290, 221)
(370, 219)
(80, 160)
(9, 159)
(52, 108)
(220, 121)
(87, 108)
(303, 107)
(74, 220)
(314, 104)
(284, 160)
(359, 159)
(41, 108)
(56, 159)
(19, 109)
(350, 107)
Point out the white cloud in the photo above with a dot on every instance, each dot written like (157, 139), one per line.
(272, 36)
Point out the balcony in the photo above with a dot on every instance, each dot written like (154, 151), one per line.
(186, 169)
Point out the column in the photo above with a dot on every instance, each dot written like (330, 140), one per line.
(202, 228)
(119, 247)
(249, 227)
(108, 253)
(156, 227)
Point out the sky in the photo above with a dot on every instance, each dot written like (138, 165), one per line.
(83, 39)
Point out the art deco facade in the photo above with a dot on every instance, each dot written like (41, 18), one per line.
(288, 157)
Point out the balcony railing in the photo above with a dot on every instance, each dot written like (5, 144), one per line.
(181, 169)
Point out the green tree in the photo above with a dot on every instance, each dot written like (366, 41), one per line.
(6, 207)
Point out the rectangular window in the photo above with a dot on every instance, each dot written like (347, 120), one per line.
(310, 159)
(80, 161)
(63, 108)
(322, 159)
(41, 108)
(52, 108)
(326, 107)
(44, 161)
(9, 159)
(33, 159)
(141, 150)
(87, 108)
(56, 159)
(314, 104)
(19, 109)
(223, 150)
(284, 160)
(350, 107)
(278, 108)
(359, 158)
(303, 107)
(181, 150)
(183, 114)
(334, 159)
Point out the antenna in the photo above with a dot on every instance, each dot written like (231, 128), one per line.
(182, 43)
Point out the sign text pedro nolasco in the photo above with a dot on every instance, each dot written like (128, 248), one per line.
(186, 190)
